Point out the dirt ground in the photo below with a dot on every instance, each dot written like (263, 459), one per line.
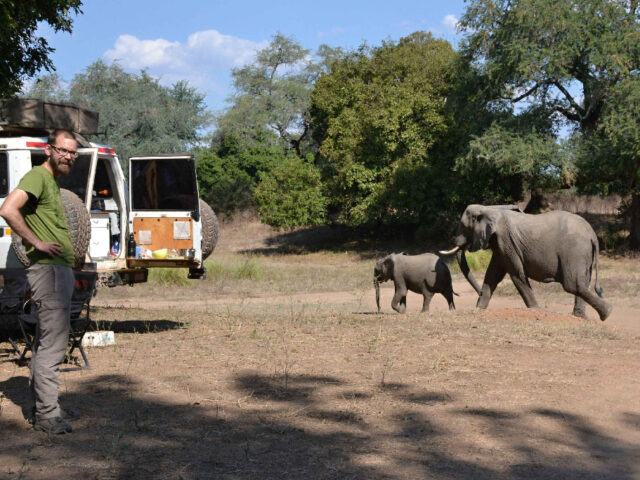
(317, 385)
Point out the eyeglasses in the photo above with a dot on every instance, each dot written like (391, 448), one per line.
(64, 152)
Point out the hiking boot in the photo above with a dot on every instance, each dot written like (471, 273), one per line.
(54, 426)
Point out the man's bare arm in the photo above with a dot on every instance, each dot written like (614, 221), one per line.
(10, 211)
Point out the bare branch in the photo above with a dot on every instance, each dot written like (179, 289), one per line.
(568, 113)
(526, 94)
(568, 96)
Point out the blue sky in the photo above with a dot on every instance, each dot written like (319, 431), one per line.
(202, 40)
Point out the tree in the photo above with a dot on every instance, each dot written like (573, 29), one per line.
(272, 96)
(610, 158)
(567, 60)
(48, 87)
(22, 52)
(379, 118)
(137, 114)
(565, 55)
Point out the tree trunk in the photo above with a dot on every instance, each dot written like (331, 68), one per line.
(634, 237)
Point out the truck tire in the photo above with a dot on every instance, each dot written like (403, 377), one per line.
(79, 229)
(210, 229)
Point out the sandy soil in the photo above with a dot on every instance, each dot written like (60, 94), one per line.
(319, 386)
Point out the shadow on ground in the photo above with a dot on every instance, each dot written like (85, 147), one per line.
(367, 241)
(123, 435)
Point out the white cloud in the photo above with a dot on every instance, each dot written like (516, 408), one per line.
(222, 51)
(204, 60)
(450, 23)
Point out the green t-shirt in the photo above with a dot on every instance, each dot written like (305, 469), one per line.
(44, 215)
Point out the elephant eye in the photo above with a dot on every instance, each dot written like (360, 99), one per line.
(479, 218)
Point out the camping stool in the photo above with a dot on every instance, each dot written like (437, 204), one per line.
(14, 289)
(83, 291)
(80, 319)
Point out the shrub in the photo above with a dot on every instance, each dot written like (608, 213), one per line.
(290, 195)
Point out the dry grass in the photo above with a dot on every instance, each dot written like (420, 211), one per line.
(277, 367)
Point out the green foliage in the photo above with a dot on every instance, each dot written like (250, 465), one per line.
(48, 87)
(540, 50)
(272, 97)
(378, 116)
(609, 159)
(222, 184)
(290, 195)
(137, 114)
(22, 52)
(227, 182)
(517, 160)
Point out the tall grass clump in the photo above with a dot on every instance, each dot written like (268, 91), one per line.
(169, 276)
(248, 269)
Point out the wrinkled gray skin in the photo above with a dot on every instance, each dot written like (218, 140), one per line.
(555, 246)
(425, 274)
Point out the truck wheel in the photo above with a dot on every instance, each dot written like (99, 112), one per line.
(210, 229)
(79, 230)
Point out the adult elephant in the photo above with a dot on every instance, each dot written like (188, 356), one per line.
(555, 246)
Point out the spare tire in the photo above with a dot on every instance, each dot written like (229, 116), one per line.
(210, 229)
(79, 229)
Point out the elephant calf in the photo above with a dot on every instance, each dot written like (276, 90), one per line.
(426, 274)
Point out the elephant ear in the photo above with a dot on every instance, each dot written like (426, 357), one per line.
(388, 266)
(487, 225)
(490, 219)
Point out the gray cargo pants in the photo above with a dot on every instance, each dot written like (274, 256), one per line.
(51, 290)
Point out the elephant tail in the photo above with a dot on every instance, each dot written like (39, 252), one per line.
(596, 252)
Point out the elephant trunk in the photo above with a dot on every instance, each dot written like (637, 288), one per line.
(464, 268)
(376, 284)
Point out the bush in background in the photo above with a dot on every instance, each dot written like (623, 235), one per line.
(290, 195)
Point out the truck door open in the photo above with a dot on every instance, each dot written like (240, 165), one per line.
(164, 212)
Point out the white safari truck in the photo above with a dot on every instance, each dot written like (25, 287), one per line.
(119, 229)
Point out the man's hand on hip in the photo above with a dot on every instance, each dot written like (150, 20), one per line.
(50, 248)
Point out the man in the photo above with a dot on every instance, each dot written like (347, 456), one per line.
(34, 211)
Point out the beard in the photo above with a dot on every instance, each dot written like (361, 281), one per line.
(60, 165)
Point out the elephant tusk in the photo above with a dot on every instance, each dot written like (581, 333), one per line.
(449, 252)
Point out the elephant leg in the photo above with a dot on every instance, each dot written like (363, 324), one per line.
(495, 274)
(580, 307)
(399, 302)
(427, 300)
(449, 296)
(583, 294)
(525, 290)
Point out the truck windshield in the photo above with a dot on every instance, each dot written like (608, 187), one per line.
(4, 175)
(163, 184)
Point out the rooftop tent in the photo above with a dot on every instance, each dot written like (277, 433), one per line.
(18, 114)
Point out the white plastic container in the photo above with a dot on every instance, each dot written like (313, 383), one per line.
(100, 338)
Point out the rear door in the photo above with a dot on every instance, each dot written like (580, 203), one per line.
(164, 212)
